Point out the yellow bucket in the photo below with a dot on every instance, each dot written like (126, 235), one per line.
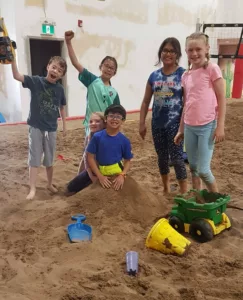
(166, 239)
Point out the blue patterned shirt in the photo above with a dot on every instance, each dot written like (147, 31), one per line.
(168, 103)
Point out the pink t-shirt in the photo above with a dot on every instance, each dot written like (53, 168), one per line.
(200, 99)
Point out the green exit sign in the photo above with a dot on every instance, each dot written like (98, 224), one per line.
(48, 29)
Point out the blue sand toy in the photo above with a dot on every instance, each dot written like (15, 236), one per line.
(78, 232)
(2, 120)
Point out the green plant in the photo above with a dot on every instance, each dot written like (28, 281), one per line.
(228, 77)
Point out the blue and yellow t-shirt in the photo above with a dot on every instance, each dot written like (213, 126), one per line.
(99, 96)
(168, 102)
(109, 150)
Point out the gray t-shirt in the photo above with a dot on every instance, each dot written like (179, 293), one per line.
(46, 99)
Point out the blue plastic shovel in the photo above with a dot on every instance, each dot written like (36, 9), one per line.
(78, 232)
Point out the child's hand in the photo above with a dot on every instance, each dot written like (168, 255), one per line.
(64, 132)
(118, 182)
(142, 130)
(178, 138)
(68, 36)
(104, 181)
(219, 134)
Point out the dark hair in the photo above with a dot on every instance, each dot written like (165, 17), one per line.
(62, 63)
(116, 109)
(175, 44)
(112, 59)
(205, 38)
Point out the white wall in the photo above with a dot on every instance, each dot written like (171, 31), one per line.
(130, 30)
(229, 11)
(10, 102)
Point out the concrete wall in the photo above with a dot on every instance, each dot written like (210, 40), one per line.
(130, 30)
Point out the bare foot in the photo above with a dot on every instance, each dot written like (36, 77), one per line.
(31, 194)
(52, 189)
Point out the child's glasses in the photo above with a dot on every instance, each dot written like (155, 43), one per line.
(113, 117)
(109, 67)
(167, 51)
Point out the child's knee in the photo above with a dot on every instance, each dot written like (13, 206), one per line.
(206, 177)
(180, 169)
(178, 163)
(193, 170)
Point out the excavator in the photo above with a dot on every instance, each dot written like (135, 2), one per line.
(7, 46)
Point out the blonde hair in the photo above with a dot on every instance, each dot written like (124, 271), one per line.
(99, 114)
(205, 38)
(102, 117)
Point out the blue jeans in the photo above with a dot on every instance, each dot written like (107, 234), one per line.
(199, 147)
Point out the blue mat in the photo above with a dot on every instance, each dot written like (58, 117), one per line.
(2, 120)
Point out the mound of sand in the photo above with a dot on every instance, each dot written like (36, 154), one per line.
(131, 204)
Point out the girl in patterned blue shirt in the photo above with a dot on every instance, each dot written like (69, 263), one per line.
(165, 85)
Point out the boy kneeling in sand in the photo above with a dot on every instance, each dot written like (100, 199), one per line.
(109, 151)
(47, 98)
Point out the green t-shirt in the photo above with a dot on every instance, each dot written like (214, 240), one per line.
(99, 96)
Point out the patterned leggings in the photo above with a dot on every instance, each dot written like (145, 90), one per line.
(166, 148)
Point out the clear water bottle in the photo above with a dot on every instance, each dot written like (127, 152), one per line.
(132, 263)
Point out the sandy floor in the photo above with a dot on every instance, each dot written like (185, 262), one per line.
(37, 262)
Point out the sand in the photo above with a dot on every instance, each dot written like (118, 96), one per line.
(38, 262)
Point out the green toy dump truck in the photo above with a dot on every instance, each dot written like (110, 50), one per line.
(201, 214)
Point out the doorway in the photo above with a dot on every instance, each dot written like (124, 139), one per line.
(40, 53)
(41, 50)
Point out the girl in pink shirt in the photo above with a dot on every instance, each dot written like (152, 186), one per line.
(204, 110)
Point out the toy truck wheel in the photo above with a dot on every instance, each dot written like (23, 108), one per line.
(177, 224)
(201, 231)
